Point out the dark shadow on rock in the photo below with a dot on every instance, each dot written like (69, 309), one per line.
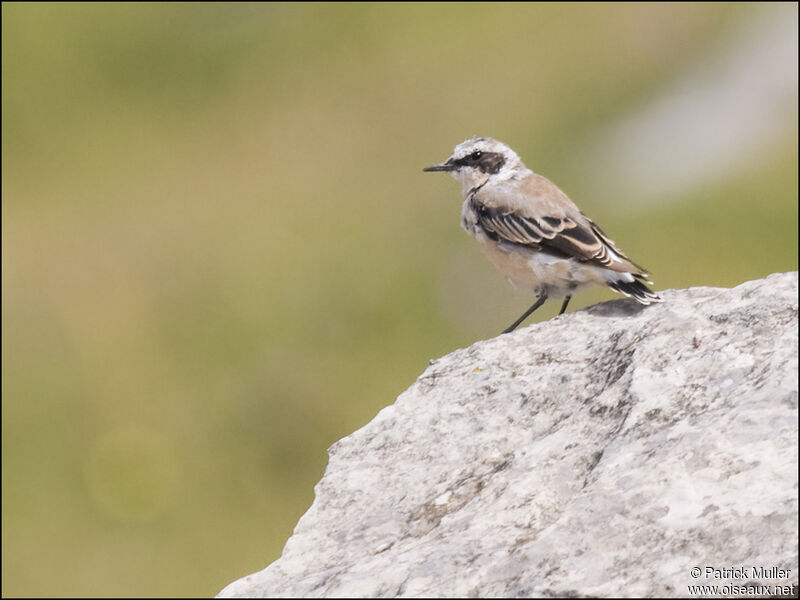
(617, 308)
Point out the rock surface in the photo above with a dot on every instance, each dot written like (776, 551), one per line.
(606, 452)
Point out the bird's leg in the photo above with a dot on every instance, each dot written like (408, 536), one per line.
(564, 306)
(539, 301)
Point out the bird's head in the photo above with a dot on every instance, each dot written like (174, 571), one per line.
(479, 160)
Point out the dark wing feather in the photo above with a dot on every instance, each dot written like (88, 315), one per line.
(580, 239)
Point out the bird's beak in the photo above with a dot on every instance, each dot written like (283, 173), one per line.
(445, 166)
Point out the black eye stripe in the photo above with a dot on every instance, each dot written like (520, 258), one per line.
(487, 162)
(471, 159)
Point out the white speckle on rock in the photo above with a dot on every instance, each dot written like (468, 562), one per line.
(443, 499)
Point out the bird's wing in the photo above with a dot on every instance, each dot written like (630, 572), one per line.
(550, 223)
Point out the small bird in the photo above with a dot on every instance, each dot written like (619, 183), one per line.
(533, 232)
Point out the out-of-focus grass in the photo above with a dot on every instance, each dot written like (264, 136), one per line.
(220, 254)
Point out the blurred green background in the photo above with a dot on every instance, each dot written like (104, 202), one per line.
(220, 254)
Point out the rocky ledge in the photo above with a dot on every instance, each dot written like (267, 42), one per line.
(614, 451)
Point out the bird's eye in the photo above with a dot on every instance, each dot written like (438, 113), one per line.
(476, 155)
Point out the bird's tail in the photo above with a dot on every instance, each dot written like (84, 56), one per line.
(635, 289)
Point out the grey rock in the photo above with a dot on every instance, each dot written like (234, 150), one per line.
(606, 452)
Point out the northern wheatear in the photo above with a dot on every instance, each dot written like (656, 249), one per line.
(533, 232)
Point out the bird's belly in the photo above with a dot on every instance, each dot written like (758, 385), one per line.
(532, 270)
